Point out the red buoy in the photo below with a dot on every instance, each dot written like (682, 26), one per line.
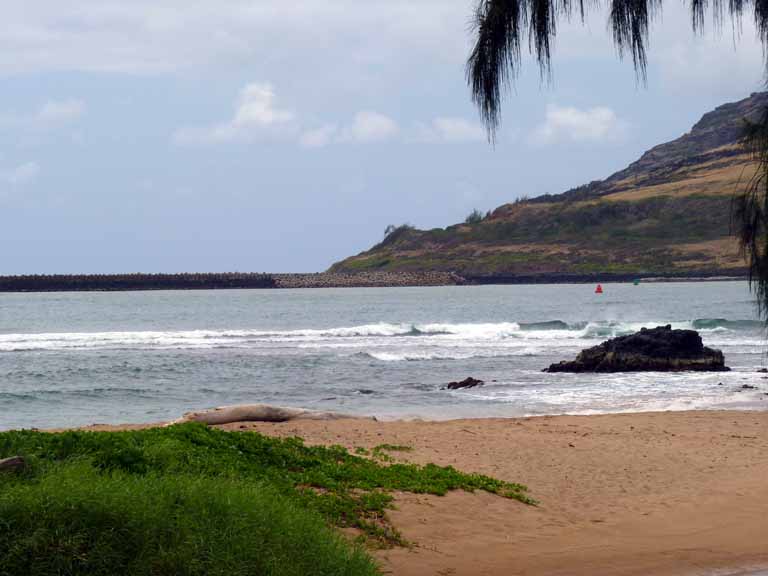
(599, 289)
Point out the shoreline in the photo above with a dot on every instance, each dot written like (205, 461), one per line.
(267, 281)
(387, 419)
(662, 493)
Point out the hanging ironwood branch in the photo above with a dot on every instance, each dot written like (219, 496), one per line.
(501, 29)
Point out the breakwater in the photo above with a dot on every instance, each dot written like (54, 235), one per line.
(214, 281)
(120, 282)
(378, 279)
(366, 279)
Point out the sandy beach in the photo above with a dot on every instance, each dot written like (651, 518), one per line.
(671, 493)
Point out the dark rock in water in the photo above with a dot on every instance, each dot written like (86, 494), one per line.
(748, 387)
(763, 370)
(659, 349)
(466, 383)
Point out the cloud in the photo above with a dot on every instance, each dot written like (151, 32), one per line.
(58, 112)
(319, 137)
(366, 127)
(689, 63)
(369, 126)
(51, 115)
(146, 36)
(570, 124)
(255, 115)
(23, 174)
(256, 108)
(458, 130)
(450, 129)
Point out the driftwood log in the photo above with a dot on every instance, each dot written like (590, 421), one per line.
(257, 413)
(13, 464)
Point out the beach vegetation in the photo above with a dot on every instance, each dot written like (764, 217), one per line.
(187, 499)
(474, 217)
(392, 232)
(393, 448)
(381, 452)
(75, 519)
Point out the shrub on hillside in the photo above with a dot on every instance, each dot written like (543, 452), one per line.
(474, 217)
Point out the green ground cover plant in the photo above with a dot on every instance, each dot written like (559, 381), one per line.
(77, 520)
(189, 499)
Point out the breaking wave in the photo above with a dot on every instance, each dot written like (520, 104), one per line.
(547, 332)
(445, 354)
(714, 323)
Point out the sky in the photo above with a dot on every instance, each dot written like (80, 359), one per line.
(264, 135)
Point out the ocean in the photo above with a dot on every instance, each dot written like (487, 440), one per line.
(69, 359)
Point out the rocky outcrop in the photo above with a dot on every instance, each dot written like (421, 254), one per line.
(466, 383)
(659, 349)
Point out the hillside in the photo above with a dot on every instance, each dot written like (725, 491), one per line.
(666, 214)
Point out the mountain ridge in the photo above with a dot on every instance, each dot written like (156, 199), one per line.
(665, 214)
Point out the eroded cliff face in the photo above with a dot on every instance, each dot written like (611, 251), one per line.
(668, 213)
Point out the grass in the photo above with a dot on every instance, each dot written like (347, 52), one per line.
(188, 499)
(76, 520)
(368, 264)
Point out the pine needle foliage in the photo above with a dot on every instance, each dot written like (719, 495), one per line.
(749, 215)
(501, 29)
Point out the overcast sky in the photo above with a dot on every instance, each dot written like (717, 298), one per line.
(265, 135)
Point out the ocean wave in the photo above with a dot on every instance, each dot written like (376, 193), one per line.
(411, 356)
(546, 332)
(416, 355)
(97, 392)
(715, 323)
(546, 325)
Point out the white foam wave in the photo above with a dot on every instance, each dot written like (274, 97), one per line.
(616, 393)
(500, 338)
(449, 354)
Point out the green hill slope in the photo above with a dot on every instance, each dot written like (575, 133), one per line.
(668, 213)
